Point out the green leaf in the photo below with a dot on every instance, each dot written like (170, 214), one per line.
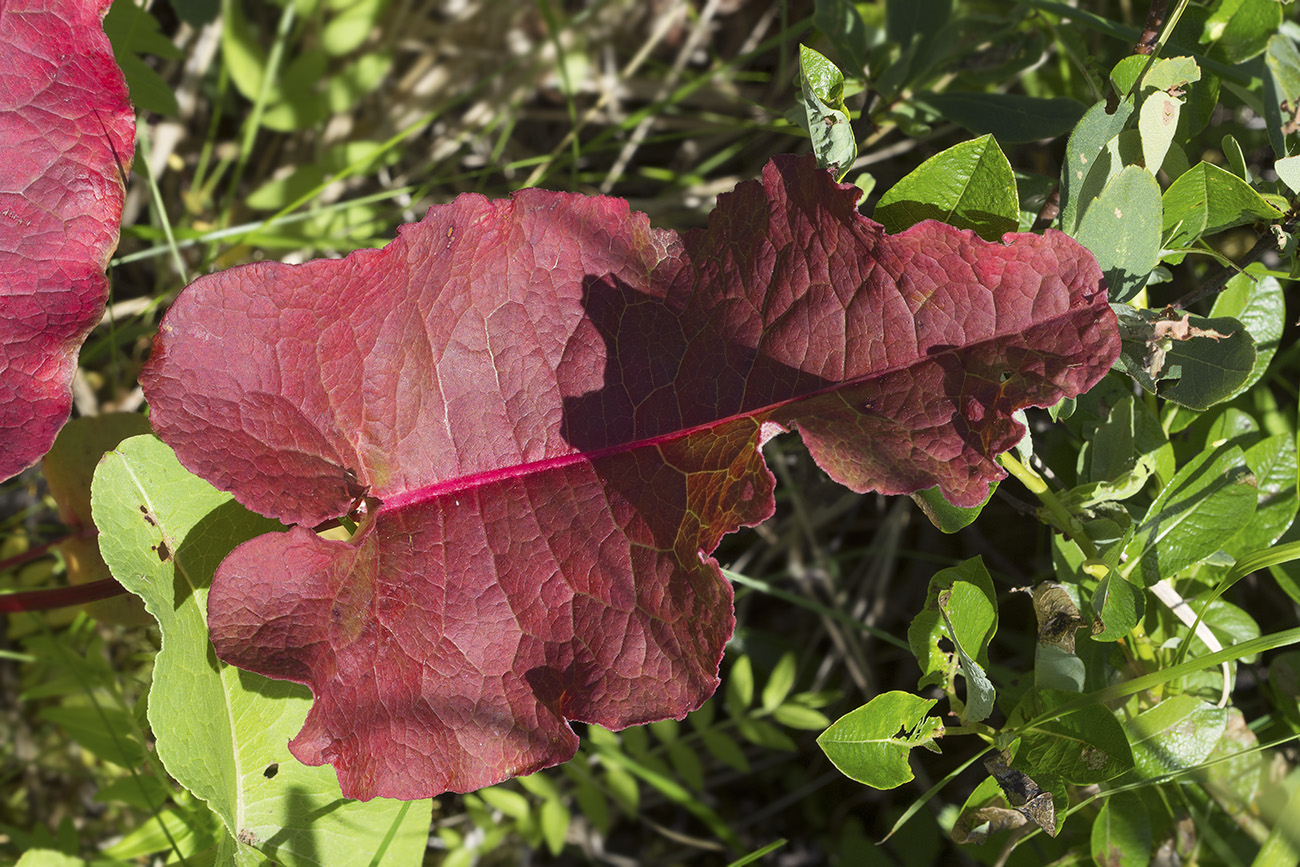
(740, 687)
(1012, 118)
(1088, 165)
(1288, 172)
(1205, 504)
(797, 716)
(1175, 735)
(48, 858)
(1121, 833)
(828, 119)
(1207, 199)
(1281, 85)
(104, 731)
(554, 820)
(221, 732)
(133, 31)
(1273, 463)
(1239, 29)
(943, 514)
(871, 744)
(1157, 123)
(970, 186)
(1207, 359)
(967, 616)
(1257, 303)
(780, 682)
(844, 27)
(1122, 229)
(1081, 748)
(1058, 668)
(978, 624)
(1119, 605)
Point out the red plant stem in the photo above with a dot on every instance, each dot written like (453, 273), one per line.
(41, 550)
(59, 597)
(1146, 43)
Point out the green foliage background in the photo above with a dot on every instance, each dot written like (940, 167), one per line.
(1137, 704)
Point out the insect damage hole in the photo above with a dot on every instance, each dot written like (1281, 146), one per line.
(271, 770)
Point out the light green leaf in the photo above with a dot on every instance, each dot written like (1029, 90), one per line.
(1206, 200)
(48, 858)
(970, 186)
(1175, 735)
(968, 615)
(222, 732)
(1058, 668)
(1205, 504)
(871, 744)
(1288, 171)
(740, 686)
(1088, 165)
(1122, 229)
(1157, 123)
(780, 682)
(1121, 833)
(828, 119)
(978, 623)
(350, 27)
(554, 819)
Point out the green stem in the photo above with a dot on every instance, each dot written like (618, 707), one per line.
(1063, 519)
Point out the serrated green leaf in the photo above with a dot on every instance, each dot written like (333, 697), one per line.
(1205, 504)
(1122, 229)
(970, 186)
(871, 744)
(1206, 200)
(1175, 735)
(221, 732)
(1121, 833)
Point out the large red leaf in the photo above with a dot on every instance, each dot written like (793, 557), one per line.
(67, 135)
(556, 411)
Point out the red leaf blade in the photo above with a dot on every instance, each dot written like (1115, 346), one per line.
(67, 135)
(558, 411)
